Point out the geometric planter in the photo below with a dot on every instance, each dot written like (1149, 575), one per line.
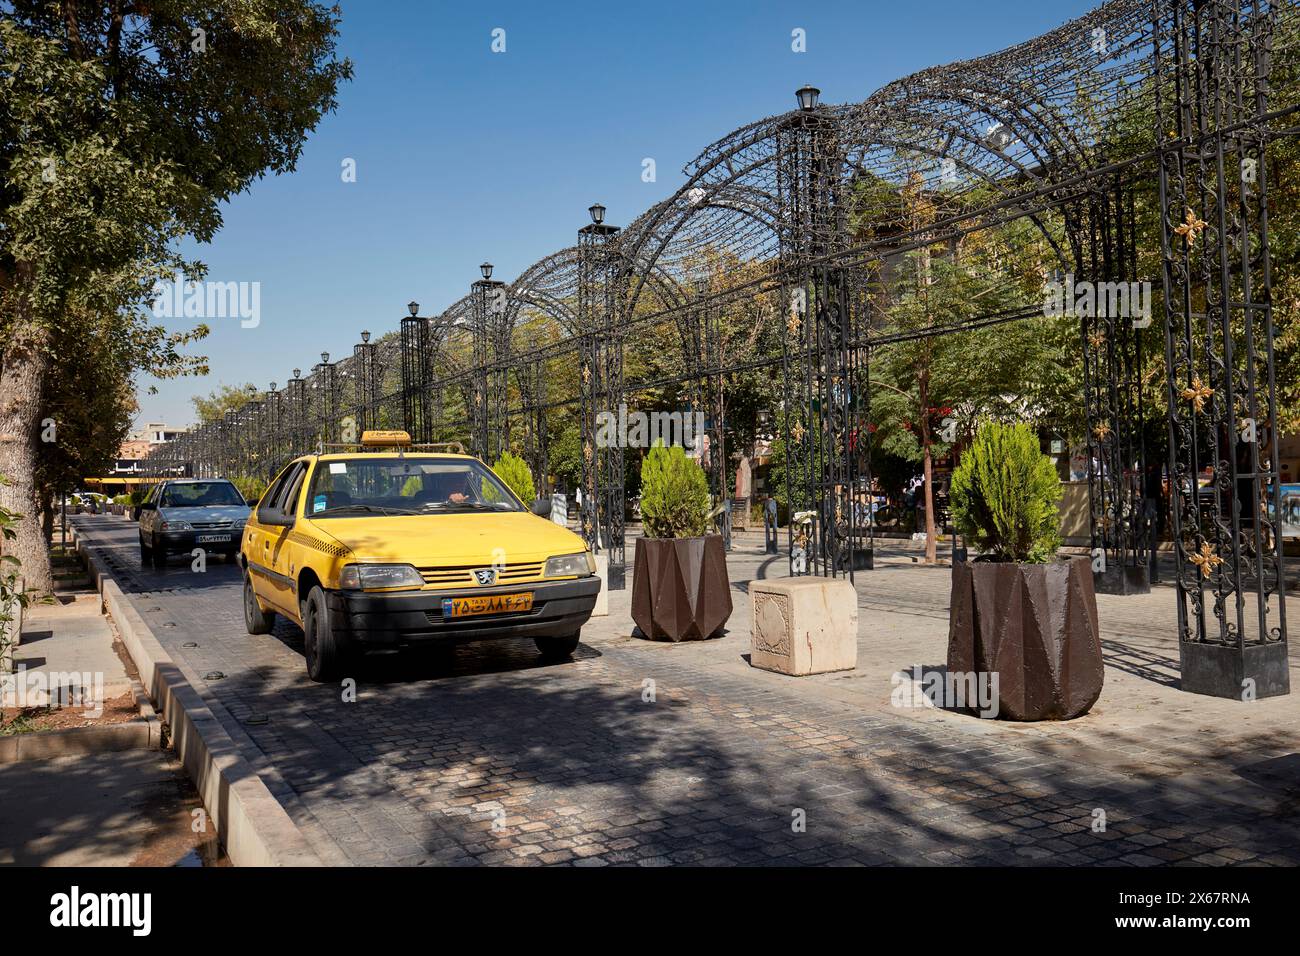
(1035, 627)
(680, 589)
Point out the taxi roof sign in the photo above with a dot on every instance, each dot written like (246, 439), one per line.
(385, 437)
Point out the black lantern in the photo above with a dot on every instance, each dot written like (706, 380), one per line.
(324, 358)
(486, 269)
(365, 336)
(807, 97)
(413, 307)
(297, 373)
(597, 212)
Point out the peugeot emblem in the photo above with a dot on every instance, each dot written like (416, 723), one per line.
(486, 575)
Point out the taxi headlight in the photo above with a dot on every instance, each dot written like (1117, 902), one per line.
(570, 565)
(369, 577)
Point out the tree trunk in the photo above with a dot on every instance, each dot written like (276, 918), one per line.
(930, 550)
(931, 556)
(21, 386)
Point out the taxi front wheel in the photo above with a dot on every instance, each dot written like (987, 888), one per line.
(558, 648)
(326, 653)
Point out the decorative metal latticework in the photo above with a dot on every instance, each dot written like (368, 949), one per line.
(1113, 308)
(1212, 91)
(780, 255)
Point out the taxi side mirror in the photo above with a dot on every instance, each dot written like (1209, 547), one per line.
(274, 517)
(541, 507)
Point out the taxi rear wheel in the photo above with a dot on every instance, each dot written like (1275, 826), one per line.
(326, 653)
(256, 621)
(558, 648)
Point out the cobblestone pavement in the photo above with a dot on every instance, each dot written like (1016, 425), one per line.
(652, 754)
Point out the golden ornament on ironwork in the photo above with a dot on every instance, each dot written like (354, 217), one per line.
(1098, 339)
(794, 323)
(1197, 393)
(1205, 559)
(1191, 227)
(1102, 431)
(586, 451)
(796, 431)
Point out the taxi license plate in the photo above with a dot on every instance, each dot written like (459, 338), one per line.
(487, 604)
(212, 539)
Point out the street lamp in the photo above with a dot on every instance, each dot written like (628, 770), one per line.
(365, 336)
(413, 307)
(486, 269)
(597, 212)
(324, 358)
(297, 373)
(807, 97)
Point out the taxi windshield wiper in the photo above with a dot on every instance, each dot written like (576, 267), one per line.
(338, 509)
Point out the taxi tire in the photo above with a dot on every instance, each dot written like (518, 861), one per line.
(558, 648)
(256, 621)
(326, 654)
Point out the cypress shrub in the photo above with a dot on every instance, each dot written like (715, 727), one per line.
(1004, 496)
(674, 494)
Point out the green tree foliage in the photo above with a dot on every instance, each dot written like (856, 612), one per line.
(514, 472)
(225, 398)
(123, 127)
(250, 486)
(674, 494)
(1005, 494)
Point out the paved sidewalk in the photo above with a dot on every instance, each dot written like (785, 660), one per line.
(71, 636)
(116, 808)
(645, 753)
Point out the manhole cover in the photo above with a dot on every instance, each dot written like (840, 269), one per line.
(213, 675)
(190, 644)
(257, 720)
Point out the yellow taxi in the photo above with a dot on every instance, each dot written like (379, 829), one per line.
(393, 546)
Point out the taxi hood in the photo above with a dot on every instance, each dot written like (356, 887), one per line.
(455, 539)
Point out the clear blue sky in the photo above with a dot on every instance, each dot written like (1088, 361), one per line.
(463, 154)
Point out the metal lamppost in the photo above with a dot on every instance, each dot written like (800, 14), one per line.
(489, 412)
(601, 388)
(366, 386)
(325, 375)
(820, 360)
(416, 358)
(297, 412)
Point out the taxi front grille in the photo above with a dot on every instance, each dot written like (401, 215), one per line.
(463, 575)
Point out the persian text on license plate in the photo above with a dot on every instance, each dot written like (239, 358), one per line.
(487, 604)
(212, 539)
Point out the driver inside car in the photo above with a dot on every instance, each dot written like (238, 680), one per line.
(445, 488)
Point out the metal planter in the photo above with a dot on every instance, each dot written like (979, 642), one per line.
(1035, 627)
(680, 589)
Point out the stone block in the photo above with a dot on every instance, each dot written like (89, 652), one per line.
(803, 625)
(602, 599)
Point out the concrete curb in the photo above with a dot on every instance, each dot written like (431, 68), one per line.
(253, 826)
(48, 744)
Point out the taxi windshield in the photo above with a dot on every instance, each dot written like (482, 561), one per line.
(200, 494)
(410, 485)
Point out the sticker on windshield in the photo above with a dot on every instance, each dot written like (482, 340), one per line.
(338, 468)
(318, 504)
